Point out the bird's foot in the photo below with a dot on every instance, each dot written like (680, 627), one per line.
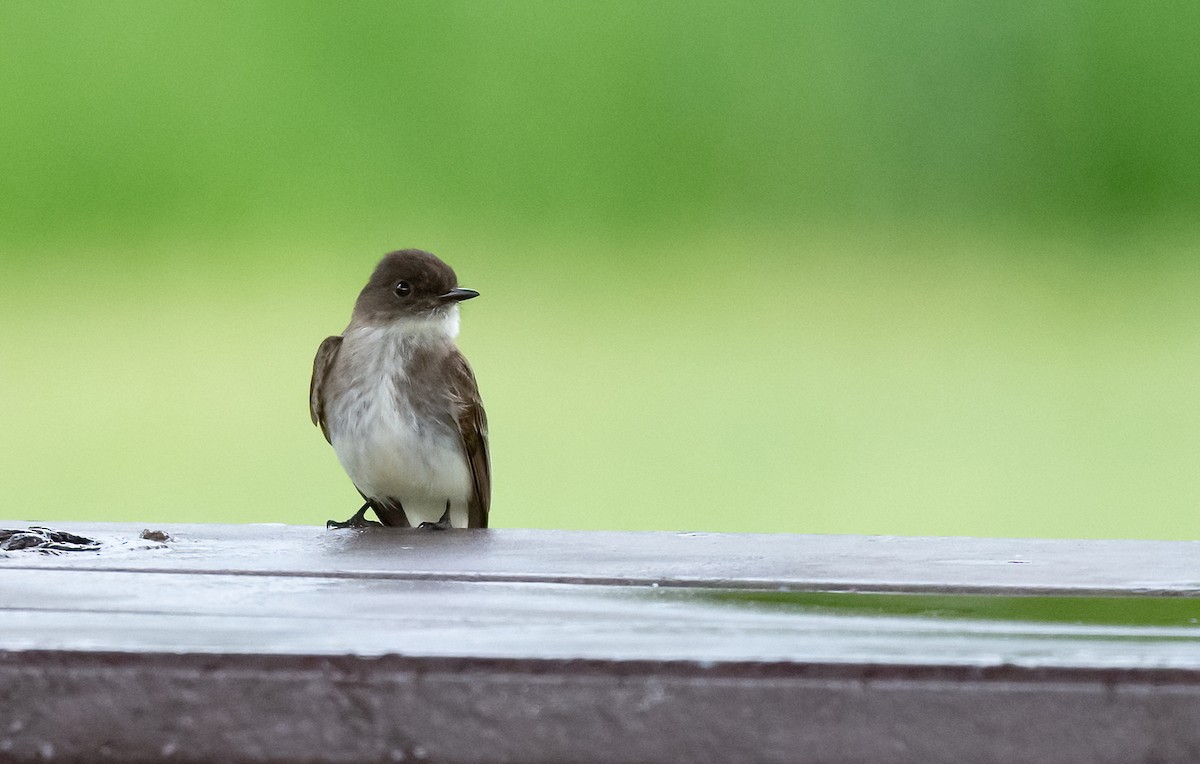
(334, 525)
(441, 525)
(359, 520)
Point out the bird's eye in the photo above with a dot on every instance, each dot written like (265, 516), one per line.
(403, 289)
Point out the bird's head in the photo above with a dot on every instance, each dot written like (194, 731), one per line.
(411, 286)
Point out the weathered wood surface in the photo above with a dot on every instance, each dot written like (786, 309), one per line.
(290, 643)
(744, 560)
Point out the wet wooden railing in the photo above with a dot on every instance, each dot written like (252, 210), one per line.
(292, 643)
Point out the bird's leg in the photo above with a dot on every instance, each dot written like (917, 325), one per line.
(358, 521)
(440, 525)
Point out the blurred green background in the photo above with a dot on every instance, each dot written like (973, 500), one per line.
(863, 267)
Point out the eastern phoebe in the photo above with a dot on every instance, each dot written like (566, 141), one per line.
(399, 403)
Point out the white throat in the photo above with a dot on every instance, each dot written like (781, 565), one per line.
(415, 330)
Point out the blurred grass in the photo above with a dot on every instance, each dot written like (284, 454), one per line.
(814, 267)
(856, 389)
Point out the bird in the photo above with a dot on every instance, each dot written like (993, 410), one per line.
(400, 404)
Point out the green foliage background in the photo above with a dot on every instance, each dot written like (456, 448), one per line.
(869, 267)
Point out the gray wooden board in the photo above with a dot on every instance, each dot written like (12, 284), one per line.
(289, 643)
(194, 707)
(215, 613)
(755, 561)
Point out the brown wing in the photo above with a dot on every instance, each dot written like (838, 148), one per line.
(472, 429)
(326, 355)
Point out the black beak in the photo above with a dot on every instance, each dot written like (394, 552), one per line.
(458, 294)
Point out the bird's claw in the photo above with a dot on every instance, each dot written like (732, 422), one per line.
(440, 525)
(351, 523)
(357, 521)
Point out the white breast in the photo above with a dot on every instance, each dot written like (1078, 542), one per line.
(380, 441)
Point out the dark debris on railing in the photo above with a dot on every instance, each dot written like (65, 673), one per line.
(47, 540)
